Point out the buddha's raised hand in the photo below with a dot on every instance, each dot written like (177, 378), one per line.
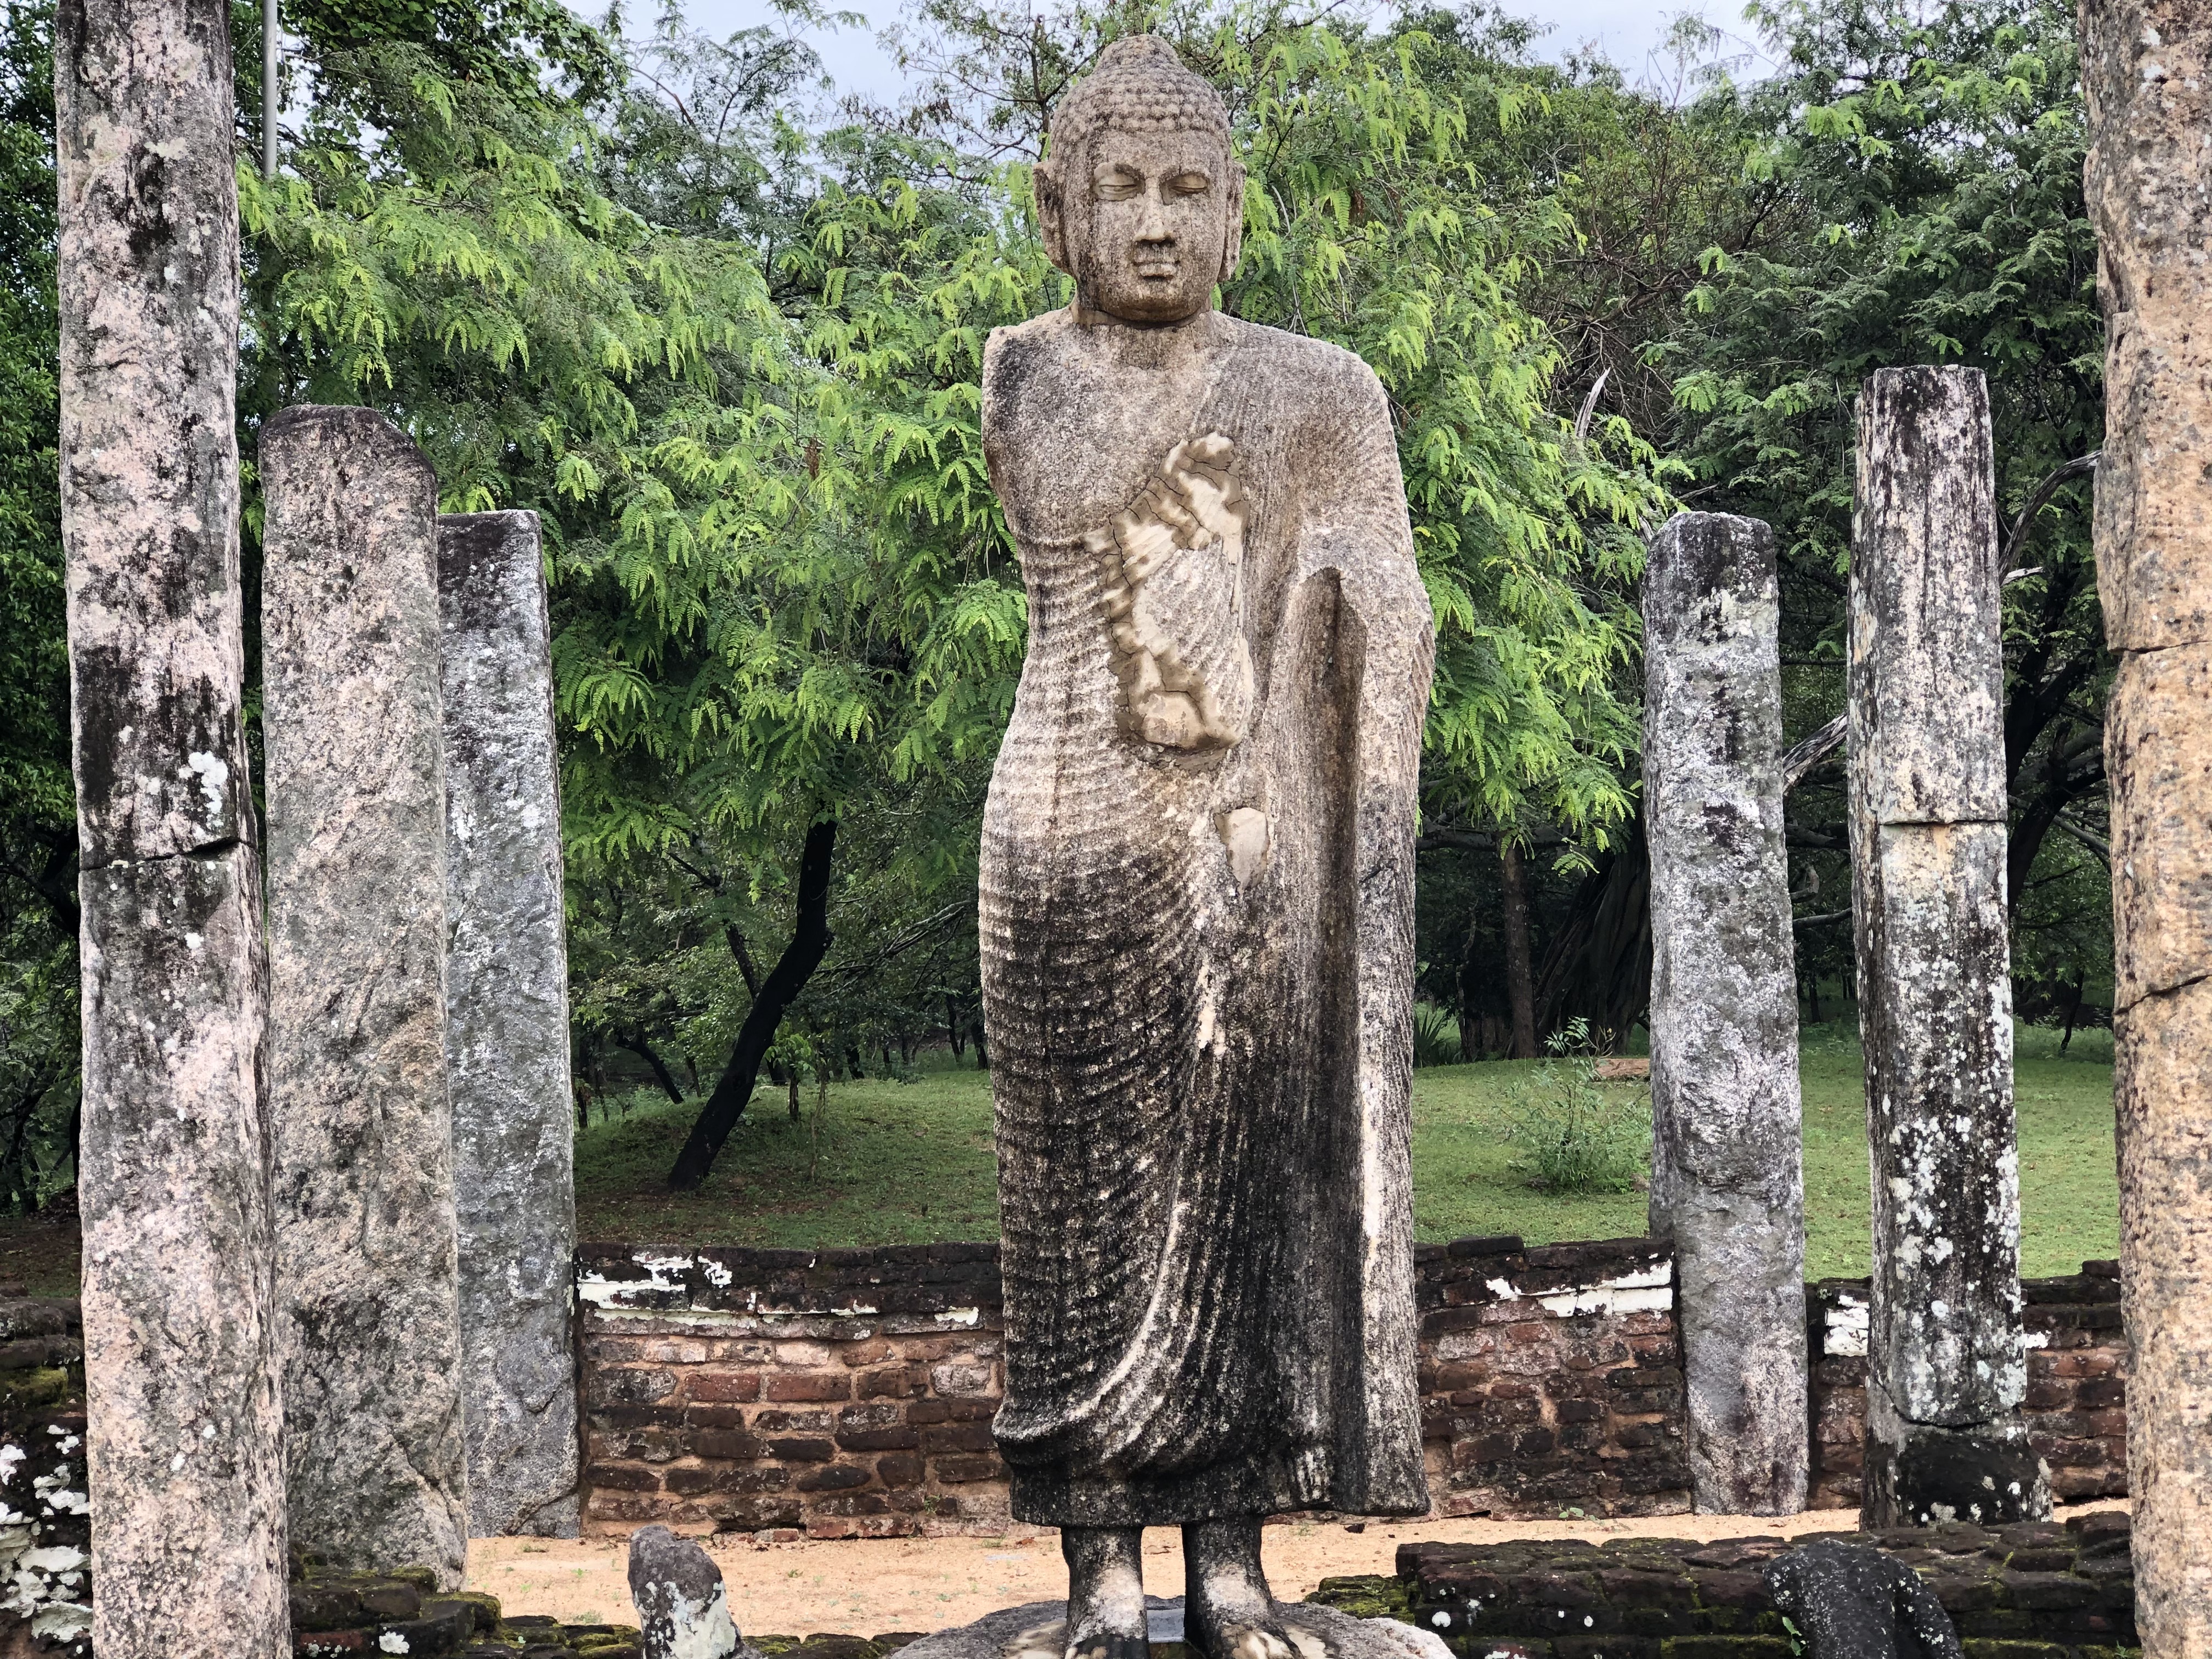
(1174, 597)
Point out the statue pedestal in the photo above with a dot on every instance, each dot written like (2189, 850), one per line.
(1035, 1631)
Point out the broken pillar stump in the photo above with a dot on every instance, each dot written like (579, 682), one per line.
(507, 1029)
(365, 1251)
(184, 1439)
(1727, 1178)
(1946, 1363)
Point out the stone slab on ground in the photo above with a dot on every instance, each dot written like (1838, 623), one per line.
(2065, 1590)
(1037, 1630)
(404, 1613)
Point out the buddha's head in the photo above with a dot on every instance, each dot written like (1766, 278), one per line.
(1139, 198)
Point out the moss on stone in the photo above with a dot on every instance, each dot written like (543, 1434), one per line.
(1366, 1596)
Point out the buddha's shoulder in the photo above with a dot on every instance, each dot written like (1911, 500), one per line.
(1297, 353)
(1015, 353)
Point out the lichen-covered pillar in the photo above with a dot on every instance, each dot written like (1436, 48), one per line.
(1727, 1175)
(1947, 1353)
(365, 1251)
(185, 1436)
(507, 1029)
(2147, 67)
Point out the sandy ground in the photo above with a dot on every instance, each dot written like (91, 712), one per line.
(865, 1588)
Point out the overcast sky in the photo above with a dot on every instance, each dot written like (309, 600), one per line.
(1630, 31)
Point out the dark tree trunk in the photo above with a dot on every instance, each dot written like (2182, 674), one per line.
(810, 943)
(2073, 1011)
(635, 1042)
(1599, 965)
(1520, 975)
(2073, 765)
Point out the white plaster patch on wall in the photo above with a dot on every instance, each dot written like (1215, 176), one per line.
(1844, 1324)
(1649, 1289)
(664, 1275)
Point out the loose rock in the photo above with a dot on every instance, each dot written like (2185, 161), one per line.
(1852, 1602)
(682, 1607)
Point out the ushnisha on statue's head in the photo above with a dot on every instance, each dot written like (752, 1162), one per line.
(1139, 198)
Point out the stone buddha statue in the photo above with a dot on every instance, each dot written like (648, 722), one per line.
(1197, 889)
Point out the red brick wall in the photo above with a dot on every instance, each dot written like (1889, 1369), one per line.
(1550, 1378)
(849, 1392)
(846, 1393)
(2076, 1404)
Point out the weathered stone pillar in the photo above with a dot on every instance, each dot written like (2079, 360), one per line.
(1947, 1355)
(1727, 1177)
(506, 1029)
(2147, 67)
(185, 1440)
(364, 1191)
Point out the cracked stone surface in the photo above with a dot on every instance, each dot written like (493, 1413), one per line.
(2147, 70)
(507, 1029)
(1947, 1363)
(184, 1442)
(1727, 1175)
(366, 1248)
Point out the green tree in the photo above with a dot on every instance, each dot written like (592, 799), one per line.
(38, 806)
(1933, 159)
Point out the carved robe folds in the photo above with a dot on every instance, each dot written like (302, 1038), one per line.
(1197, 927)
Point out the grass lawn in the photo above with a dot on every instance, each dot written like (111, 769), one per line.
(890, 1162)
(897, 1163)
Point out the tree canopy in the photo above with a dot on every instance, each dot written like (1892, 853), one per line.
(724, 335)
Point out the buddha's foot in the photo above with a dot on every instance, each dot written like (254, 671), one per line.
(1105, 1592)
(1228, 1610)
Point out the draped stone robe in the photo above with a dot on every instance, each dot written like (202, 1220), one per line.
(1202, 1060)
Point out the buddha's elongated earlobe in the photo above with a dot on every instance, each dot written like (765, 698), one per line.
(1045, 185)
(1232, 245)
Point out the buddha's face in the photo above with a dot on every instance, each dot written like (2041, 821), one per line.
(1155, 218)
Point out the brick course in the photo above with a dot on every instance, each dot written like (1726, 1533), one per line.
(2076, 1385)
(845, 1393)
(849, 1392)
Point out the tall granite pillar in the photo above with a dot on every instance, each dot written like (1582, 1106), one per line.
(184, 1434)
(366, 1251)
(1946, 1354)
(507, 1029)
(2147, 67)
(1727, 1170)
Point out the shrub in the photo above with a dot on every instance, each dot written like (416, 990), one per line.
(1435, 1037)
(1581, 1136)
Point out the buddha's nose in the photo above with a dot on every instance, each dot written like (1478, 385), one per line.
(1153, 227)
